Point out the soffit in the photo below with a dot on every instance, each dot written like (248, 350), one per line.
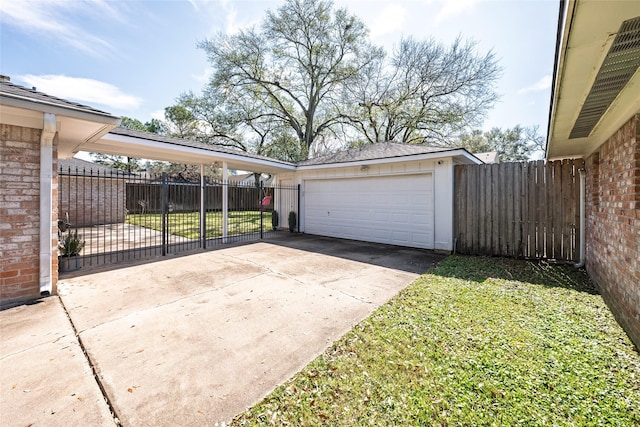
(589, 30)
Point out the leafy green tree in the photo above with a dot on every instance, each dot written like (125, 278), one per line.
(131, 123)
(129, 164)
(180, 122)
(156, 126)
(513, 145)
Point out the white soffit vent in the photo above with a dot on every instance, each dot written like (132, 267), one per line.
(618, 67)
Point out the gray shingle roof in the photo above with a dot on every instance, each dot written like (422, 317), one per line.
(380, 150)
(13, 90)
(187, 143)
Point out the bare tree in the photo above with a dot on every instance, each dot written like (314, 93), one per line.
(424, 93)
(297, 65)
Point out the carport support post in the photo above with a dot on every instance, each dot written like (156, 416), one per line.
(261, 210)
(298, 208)
(225, 202)
(164, 213)
(203, 209)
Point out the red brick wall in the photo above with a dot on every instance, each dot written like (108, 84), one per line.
(20, 214)
(613, 224)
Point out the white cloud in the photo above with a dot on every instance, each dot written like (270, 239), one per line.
(543, 84)
(51, 19)
(390, 19)
(82, 90)
(158, 114)
(451, 8)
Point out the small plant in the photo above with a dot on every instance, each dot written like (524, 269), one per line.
(71, 244)
(292, 221)
(274, 220)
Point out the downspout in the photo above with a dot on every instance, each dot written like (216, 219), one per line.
(46, 203)
(582, 217)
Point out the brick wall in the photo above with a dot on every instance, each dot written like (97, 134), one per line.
(93, 200)
(613, 224)
(20, 214)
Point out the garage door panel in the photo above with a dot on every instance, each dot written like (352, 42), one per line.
(396, 210)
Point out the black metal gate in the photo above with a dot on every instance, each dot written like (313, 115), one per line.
(122, 216)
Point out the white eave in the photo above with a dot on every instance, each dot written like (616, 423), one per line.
(158, 150)
(76, 126)
(460, 156)
(587, 31)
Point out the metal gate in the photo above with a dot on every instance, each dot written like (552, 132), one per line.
(123, 216)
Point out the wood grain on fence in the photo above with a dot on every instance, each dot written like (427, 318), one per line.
(526, 209)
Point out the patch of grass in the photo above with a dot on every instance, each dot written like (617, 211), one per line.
(476, 341)
(187, 224)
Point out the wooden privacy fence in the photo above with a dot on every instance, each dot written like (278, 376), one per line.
(526, 209)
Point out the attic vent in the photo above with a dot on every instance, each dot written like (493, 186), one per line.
(619, 65)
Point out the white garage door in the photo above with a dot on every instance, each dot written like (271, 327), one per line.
(397, 209)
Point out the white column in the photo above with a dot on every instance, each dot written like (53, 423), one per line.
(225, 202)
(203, 210)
(46, 202)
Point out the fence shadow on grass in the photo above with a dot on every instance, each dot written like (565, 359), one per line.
(540, 272)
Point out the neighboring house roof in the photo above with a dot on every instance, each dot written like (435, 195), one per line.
(85, 167)
(596, 78)
(380, 150)
(489, 157)
(11, 90)
(239, 178)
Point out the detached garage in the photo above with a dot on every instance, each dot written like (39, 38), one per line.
(390, 193)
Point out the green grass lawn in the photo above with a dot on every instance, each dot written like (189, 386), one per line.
(476, 341)
(188, 224)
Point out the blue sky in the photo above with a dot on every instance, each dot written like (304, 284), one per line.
(134, 58)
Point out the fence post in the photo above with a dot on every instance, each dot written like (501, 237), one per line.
(164, 213)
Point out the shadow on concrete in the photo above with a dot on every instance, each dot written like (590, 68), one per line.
(411, 260)
(401, 258)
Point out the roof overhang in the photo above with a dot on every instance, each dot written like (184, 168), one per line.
(158, 150)
(460, 156)
(75, 127)
(587, 30)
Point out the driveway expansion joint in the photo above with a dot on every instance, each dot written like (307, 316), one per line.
(94, 371)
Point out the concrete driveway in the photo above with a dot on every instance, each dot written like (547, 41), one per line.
(195, 340)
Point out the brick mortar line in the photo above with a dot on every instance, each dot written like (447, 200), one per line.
(96, 377)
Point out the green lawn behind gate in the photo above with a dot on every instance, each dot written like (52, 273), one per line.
(187, 224)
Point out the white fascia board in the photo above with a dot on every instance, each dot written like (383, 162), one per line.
(561, 47)
(459, 155)
(198, 153)
(51, 108)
